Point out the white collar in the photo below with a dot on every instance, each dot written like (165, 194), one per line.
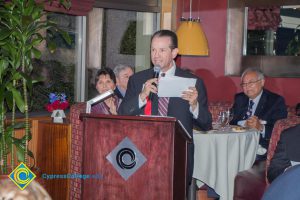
(256, 99)
(171, 71)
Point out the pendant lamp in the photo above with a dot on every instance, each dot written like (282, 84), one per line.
(191, 37)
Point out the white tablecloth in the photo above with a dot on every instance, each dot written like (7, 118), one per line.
(219, 156)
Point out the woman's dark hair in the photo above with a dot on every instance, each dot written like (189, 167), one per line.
(106, 71)
(167, 33)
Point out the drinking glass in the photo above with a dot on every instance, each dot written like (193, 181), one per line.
(221, 120)
(229, 114)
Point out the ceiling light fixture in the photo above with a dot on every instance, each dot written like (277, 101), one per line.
(191, 37)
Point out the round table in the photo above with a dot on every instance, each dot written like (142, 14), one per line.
(220, 155)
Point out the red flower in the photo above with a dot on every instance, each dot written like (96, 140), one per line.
(57, 105)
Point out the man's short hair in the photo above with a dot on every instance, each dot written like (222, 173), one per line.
(167, 33)
(259, 73)
(119, 68)
(105, 71)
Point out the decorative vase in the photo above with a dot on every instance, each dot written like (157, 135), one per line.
(58, 116)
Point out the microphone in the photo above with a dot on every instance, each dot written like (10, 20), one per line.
(156, 70)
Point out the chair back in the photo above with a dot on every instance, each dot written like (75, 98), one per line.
(279, 126)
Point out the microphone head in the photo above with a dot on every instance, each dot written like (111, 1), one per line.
(156, 69)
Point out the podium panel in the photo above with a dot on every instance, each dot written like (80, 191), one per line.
(133, 158)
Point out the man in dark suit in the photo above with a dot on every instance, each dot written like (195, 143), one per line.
(122, 72)
(257, 107)
(287, 152)
(191, 109)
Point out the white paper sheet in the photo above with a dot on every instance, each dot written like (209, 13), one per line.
(173, 86)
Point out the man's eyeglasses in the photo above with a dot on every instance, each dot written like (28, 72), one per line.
(250, 84)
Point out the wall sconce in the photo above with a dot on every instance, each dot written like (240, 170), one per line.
(191, 37)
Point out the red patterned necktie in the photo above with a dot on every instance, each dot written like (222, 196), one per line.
(163, 106)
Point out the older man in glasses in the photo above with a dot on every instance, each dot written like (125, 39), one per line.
(122, 72)
(257, 107)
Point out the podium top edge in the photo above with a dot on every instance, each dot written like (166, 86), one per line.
(128, 117)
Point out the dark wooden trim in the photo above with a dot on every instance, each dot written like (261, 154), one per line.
(274, 66)
(134, 5)
(271, 2)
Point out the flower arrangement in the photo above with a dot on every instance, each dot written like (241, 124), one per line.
(57, 102)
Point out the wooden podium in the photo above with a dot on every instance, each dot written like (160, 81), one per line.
(161, 140)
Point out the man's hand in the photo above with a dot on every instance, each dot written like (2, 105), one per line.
(148, 87)
(191, 95)
(254, 122)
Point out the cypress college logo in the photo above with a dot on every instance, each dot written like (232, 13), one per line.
(22, 176)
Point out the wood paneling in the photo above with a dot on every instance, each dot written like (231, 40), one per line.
(32, 144)
(53, 156)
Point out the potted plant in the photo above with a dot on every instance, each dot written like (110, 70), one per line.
(21, 24)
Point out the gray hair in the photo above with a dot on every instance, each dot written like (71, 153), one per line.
(259, 73)
(121, 67)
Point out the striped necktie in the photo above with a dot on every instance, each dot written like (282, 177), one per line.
(250, 110)
(163, 103)
(163, 106)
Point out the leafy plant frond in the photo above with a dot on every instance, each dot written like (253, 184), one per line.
(21, 25)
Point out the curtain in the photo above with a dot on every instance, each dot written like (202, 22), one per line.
(264, 18)
(78, 7)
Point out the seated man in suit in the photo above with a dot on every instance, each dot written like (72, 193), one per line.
(122, 72)
(287, 153)
(190, 109)
(257, 107)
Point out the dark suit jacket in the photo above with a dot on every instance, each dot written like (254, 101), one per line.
(118, 93)
(271, 107)
(287, 150)
(177, 107)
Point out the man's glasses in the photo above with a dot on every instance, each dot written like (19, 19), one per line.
(249, 84)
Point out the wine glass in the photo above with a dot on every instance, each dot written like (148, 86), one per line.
(229, 114)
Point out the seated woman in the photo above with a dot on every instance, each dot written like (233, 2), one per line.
(106, 80)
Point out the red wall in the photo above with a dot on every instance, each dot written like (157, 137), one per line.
(211, 69)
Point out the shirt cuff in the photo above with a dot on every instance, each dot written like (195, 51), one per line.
(263, 131)
(141, 102)
(195, 112)
(242, 123)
